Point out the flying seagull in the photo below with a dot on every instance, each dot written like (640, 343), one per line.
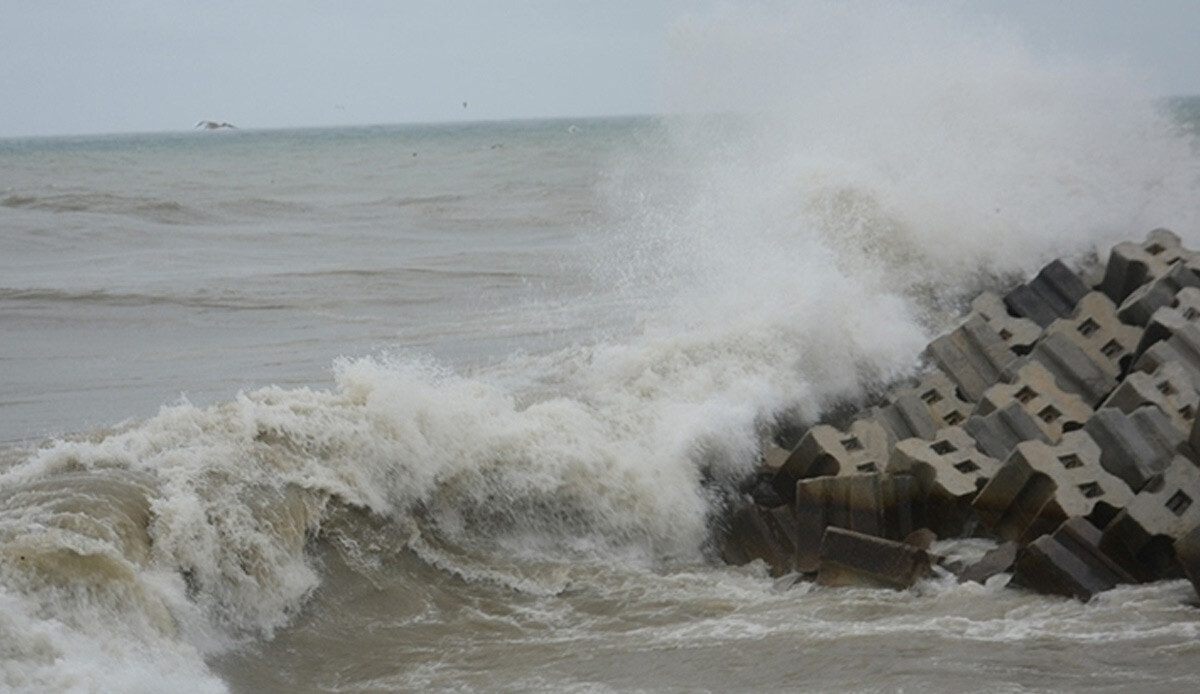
(214, 125)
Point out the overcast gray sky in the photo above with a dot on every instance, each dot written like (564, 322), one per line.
(82, 66)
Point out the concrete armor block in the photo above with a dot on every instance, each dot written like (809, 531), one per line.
(1130, 265)
(1134, 447)
(998, 432)
(1019, 334)
(973, 357)
(949, 472)
(848, 558)
(1169, 389)
(1097, 330)
(1052, 409)
(882, 505)
(1141, 537)
(826, 450)
(1068, 562)
(1051, 295)
(940, 396)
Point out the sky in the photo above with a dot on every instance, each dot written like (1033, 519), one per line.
(81, 67)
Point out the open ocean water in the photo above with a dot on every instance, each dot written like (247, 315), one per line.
(453, 407)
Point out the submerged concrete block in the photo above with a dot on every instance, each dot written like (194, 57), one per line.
(1019, 334)
(1041, 485)
(757, 533)
(826, 450)
(1068, 562)
(1051, 408)
(1141, 537)
(1130, 265)
(1187, 553)
(1051, 295)
(949, 472)
(1134, 447)
(849, 558)
(995, 562)
(973, 356)
(882, 505)
(998, 432)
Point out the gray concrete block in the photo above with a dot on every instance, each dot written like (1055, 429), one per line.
(940, 396)
(1134, 447)
(905, 417)
(1141, 537)
(757, 533)
(973, 357)
(826, 450)
(1068, 562)
(882, 505)
(998, 432)
(1130, 265)
(995, 562)
(1051, 295)
(1187, 553)
(1035, 389)
(1099, 332)
(1019, 334)
(1182, 347)
(849, 558)
(1073, 368)
(949, 472)
(1139, 306)
(1041, 485)
(1169, 389)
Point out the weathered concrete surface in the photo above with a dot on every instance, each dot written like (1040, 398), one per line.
(1140, 306)
(998, 432)
(756, 533)
(1051, 409)
(973, 357)
(1134, 447)
(1141, 537)
(940, 396)
(889, 506)
(949, 472)
(825, 450)
(1131, 265)
(1097, 330)
(1062, 354)
(1068, 562)
(849, 558)
(1052, 294)
(1018, 333)
(1169, 389)
(1040, 485)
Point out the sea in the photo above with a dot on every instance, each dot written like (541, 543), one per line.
(458, 407)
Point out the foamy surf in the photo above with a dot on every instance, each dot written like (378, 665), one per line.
(867, 169)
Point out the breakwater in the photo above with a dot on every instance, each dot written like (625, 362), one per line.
(1058, 419)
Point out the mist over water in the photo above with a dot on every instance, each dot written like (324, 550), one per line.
(837, 182)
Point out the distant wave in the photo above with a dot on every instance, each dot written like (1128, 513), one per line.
(156, 210)
(100, 296)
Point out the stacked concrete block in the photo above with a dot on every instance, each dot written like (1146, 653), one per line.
(1169, 389)
(1182, 347)
(998, 432)
(1131, 265)
(849, 558)
(1039, 486)
(1074, 370)
(1088, 397)
(949, 472)
(1136, 446)
(941, 399)
(1099, 332)
(1140, 306)
(826, 450)
(887, 506)
(1019, 334)
(906, 416)
(1051, 295)
(1142, 535)
(1052, 409)
(973, 356)
(1068, 562)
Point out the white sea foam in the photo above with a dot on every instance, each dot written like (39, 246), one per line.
(867, 166)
